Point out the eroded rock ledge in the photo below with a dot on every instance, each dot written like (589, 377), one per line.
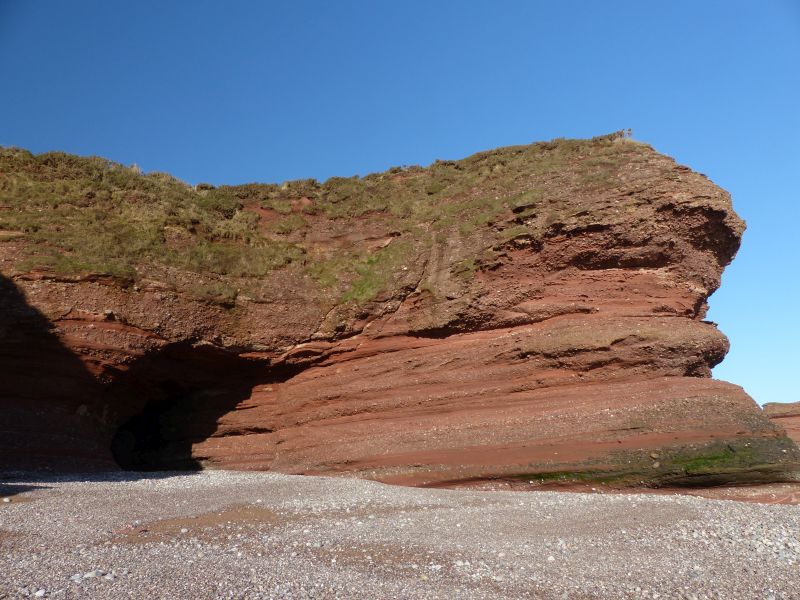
(531, 314)
(787, 416)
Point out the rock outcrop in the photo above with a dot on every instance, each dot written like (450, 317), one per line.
(787, 416)
(532, 314)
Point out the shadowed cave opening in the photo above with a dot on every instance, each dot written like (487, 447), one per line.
(171, 400)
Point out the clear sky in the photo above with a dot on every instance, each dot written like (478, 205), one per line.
(264, 91)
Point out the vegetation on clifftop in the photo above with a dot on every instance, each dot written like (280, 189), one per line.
(79, 215)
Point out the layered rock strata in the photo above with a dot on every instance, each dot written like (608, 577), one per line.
(786, 416)
(533, 314)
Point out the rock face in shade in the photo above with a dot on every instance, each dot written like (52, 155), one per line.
(530, 314)
(787, 416)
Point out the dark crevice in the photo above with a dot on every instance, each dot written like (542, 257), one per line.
(171, 400)
(439, 333)
(708, 230)
(561, 229)
(592, 260)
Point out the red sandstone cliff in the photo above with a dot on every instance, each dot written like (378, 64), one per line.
(532, 313)
(787, 416)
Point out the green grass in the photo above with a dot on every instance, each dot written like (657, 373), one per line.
(88, 214)
(466, 269)
(375, 271)
(289, 224)
(80, 215)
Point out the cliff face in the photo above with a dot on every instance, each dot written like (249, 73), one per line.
(786, 416)
(532, 313)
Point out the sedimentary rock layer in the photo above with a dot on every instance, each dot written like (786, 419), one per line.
(786, 416)
(532, 313)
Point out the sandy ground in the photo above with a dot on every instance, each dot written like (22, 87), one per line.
(223, 534)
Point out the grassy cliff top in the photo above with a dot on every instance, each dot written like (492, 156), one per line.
(75, 215)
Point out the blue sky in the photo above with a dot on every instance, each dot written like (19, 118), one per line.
(257, 91)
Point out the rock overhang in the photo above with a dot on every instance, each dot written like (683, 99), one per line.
(432, 326)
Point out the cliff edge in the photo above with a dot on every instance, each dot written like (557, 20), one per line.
(532, 314)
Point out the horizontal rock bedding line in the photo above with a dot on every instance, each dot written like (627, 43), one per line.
(529, 314)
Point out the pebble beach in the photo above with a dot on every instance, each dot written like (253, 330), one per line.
(224, 534)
